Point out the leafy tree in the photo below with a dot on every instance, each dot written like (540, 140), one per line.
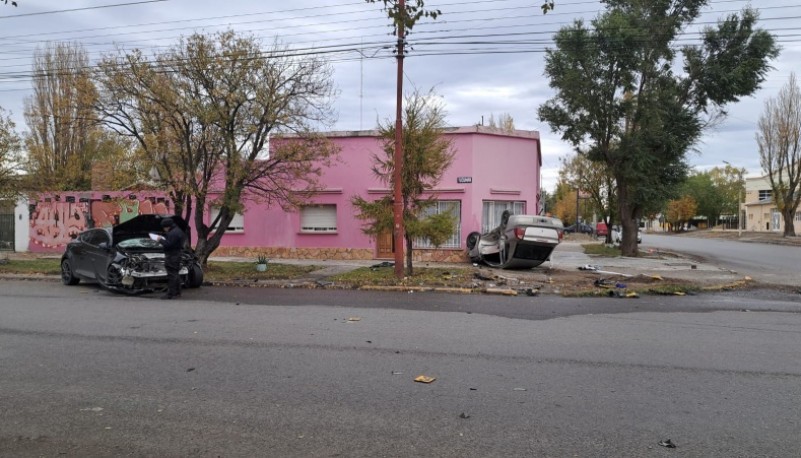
(680, 211)
(407, 15)
(730, 183)
(779, 140)
(707, 196)
(9, 156)
(596, 183)
(426, 156)
(223, 120)
(565, 207)
(619, 98)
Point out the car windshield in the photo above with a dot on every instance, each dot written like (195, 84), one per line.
(139, 242)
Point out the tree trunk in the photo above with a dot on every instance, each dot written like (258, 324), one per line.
(409, 271)
(789, 227)
(628, 223)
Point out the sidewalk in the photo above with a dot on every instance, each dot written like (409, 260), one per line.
(569, 269)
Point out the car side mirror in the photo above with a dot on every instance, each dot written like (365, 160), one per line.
(104, 246)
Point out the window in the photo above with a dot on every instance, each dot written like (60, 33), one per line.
(237, 224)
(95, 237)
(765, 194)
(454, 207)
(318, 218)
(493, 209)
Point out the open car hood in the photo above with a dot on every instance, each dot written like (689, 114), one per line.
(142, 225)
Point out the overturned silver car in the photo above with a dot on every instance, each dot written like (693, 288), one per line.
(125, 259)
(519, 242)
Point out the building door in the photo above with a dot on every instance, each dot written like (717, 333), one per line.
(777, 221)
(6, 227)
(385, 244)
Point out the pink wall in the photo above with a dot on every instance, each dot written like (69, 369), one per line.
(501, 167)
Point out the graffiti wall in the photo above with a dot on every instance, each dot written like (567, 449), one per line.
(57, 219)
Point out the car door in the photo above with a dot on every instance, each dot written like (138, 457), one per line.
(93, 255)
(78, 254)
(100, 251)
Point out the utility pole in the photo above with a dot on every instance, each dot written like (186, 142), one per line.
(398, 158)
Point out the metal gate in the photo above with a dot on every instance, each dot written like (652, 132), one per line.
(6, 231)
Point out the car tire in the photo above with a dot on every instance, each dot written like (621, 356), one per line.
(113, 276)
(67, 275)
(195, 279)
(472, 239)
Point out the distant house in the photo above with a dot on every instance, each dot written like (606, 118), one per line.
(761, 213)
(492, 171)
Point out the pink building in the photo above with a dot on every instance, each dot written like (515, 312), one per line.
(492, 171)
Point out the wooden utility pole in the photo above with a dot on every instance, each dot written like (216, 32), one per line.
(398, 231)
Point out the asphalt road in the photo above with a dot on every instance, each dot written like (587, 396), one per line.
(233, 372)
(773, 264)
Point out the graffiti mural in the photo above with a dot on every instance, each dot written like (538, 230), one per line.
(55, 221)
(54, 224)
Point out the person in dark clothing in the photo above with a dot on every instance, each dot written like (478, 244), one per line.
(173, 243)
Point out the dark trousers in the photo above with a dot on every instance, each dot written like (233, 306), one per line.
(172, 262)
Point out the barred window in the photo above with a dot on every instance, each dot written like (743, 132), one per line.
(493, 209)
(443, 206)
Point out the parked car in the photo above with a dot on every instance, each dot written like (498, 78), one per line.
(601, 230)
(581, 228)
(125, 258)
(519, 242)
(617, 235)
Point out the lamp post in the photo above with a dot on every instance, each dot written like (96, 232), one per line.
(740, 208)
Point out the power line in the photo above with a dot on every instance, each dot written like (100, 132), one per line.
(42, 13)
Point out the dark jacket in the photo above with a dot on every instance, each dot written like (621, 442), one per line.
(173, 242)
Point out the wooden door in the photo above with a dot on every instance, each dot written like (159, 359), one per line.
(384, 243)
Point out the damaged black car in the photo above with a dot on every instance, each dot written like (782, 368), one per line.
(125, 258)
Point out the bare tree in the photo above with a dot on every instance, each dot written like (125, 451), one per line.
(60, 119)
(505, 122)
(779, 140)
(223, 121)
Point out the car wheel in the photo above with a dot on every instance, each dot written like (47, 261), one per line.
(67, 275)
(472, 239)
(195, 276)
(114, 276)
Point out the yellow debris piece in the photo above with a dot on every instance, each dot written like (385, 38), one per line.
(424, 379)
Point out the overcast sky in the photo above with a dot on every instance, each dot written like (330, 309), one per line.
(483, 57)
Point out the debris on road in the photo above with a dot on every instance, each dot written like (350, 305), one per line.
(424, 379)
(354, 318)
(667, 443)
